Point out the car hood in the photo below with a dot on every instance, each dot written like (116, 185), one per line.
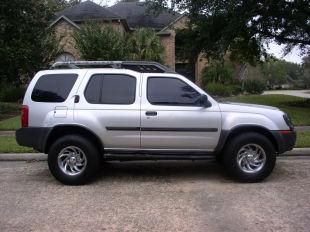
(246, 108)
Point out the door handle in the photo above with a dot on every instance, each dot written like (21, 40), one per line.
(76, 98)
(150, 113)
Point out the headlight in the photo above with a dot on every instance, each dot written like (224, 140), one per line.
(288, 121)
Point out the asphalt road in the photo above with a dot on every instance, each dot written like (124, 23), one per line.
(155, 196)
(297, 93)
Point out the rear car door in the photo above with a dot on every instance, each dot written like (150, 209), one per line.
(171, 118)
(110, 106)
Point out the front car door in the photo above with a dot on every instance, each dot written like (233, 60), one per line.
(171, 119)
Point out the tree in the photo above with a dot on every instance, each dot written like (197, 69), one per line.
(100, 43)
(58, 5)
(275, 72)
(241, 27)
(306, 71)
(145, 45)
(96, 42)
(27, 44)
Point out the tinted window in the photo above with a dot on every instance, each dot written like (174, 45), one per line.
(92, 92)
(111, 89)
(53, 87)
(170, 91)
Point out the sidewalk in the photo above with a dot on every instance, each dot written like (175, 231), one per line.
(43, 157)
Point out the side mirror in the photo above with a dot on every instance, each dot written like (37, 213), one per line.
(204, 101)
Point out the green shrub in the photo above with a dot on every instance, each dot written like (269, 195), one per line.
(254, 86)
(218, 73)
(11, 93)
(237, 89)
(216, 89)
(97, 43)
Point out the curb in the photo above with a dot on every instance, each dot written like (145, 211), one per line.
(43, 157)
(7, 133)
(297, 152)
(302, 128)
(23, 157)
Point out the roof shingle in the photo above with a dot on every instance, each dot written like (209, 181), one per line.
(87, 10)
(138, 14)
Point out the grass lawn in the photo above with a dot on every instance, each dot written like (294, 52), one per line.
(10, 124)
(9, 145)
(303, 139)
(8, 110)
(298, 108)
(9, 116)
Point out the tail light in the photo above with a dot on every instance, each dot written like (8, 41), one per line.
(25, 116)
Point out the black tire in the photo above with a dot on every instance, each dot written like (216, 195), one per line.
(91, 153)
(231, 151)
(219, 159)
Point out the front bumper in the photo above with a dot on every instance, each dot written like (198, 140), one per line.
(286, 140)
(34, 137)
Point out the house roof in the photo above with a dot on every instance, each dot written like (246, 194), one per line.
(62, 17)
(138, 14)
(87, 11)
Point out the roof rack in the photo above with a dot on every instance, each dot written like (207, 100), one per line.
(138, 66)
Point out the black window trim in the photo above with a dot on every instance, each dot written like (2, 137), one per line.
(147, 94)
(49, 102)
(102, 74)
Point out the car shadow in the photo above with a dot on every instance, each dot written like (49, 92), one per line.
(161, 170)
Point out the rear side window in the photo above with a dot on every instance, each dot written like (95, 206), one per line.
(111, 89)
(53, 87)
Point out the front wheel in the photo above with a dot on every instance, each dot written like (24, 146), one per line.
(249, 157)
(73, 160)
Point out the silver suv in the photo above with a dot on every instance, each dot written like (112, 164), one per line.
(84, 113)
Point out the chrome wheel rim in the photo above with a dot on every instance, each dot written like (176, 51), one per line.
(251, 158)
(72, 160)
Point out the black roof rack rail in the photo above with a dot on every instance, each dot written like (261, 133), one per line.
(138, 66)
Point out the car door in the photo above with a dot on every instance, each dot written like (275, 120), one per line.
(109, 105)
(171, 119)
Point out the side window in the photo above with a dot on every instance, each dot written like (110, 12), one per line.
(111, 89)
(53, 87)
(170, 91)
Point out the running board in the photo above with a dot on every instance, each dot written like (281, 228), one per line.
(132, 157)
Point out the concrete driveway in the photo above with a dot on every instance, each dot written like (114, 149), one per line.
(155, 196)
(297, 93)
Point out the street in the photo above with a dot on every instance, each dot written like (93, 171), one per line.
(155, 196)
(297, 93)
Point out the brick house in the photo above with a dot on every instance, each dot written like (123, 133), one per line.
(126, 17)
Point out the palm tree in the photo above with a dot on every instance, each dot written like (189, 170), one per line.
(146, 45)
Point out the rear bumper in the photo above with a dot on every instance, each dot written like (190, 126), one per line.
(34, 137)
(285, 139)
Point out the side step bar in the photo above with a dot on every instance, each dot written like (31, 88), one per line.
(133, 157)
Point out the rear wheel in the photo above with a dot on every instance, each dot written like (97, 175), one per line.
(73, 160)
(249, 157)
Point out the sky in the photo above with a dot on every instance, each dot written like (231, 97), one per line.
(273, 48)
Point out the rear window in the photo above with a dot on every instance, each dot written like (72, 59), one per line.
(53, 87)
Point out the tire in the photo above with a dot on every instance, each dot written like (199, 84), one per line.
(249, 145)
(79, 169)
